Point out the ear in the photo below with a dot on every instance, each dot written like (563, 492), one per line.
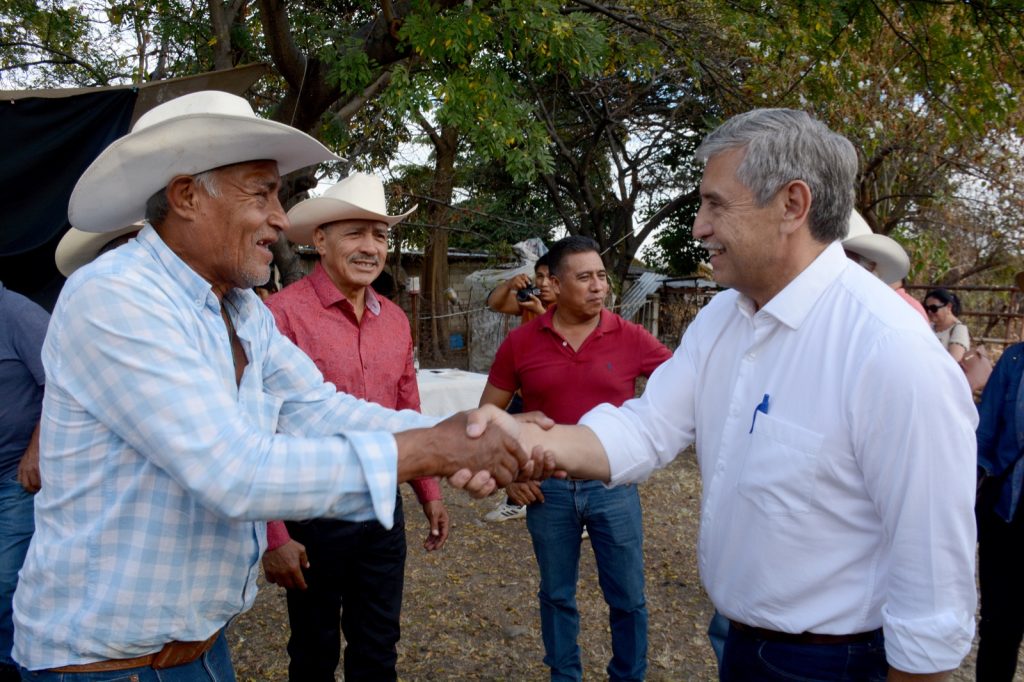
(320, 241)
(183, 197)
(796, 197)
(556, 288)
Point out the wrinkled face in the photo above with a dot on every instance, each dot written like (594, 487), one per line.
(743, 239)
(582, 286)
(542, 280)
(236, 227)
(352, 252)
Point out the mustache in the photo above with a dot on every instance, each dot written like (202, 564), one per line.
(364, 257)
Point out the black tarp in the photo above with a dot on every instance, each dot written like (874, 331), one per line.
(46, 143)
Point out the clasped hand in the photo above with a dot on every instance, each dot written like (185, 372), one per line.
(499, 457)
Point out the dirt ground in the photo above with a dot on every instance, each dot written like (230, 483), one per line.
(470, 611)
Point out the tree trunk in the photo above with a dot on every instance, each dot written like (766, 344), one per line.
(435, 258)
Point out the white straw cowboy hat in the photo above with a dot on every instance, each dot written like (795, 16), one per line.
(357, 197)
(185, 136)
(77, 248)
(892, 262)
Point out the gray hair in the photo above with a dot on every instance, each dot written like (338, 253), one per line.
(783, 145)
(157, 206)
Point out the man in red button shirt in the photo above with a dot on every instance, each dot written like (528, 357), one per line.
(361, 342)
(572, 358)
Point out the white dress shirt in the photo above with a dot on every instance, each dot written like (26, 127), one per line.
(847, 504)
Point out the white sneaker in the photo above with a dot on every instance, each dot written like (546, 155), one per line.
(506, 512)
(584, 535)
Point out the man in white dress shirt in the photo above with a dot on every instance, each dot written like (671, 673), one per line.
(835, 436)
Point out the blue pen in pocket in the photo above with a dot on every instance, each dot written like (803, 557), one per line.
(763, 407)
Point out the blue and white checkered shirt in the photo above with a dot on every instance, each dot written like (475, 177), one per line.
(158, 470)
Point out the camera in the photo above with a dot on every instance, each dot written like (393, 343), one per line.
(523, 295)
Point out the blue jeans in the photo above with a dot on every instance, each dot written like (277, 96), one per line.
(613, 518)
(718, 631)
(748, 657)
(213, 666)
(16, 527)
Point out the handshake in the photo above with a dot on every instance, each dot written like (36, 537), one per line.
(479, 450)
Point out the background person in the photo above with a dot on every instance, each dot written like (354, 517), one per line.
(362, 343)
(176, 416)
(835, 438)
(942, 307)
(882, 256)
(574, 357)
(1001, 519)
(22, 330)
(504, 299)
(77, 248)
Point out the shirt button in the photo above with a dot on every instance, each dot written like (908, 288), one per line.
(565, 343)
(750, 356)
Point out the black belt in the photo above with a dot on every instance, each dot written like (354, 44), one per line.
(804, 637)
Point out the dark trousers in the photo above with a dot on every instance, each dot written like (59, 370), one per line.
(1001, 578)
(749, 658)
(356, 574)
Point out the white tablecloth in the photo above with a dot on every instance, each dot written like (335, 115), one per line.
(443, 391)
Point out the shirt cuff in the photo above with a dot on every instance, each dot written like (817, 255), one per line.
(277, 535)
(427, 489)
(378, 456)
(927, 645)
(610, 428)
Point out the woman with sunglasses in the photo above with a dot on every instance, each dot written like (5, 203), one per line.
(942, 307)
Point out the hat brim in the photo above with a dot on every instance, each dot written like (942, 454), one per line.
(114, 189)
(77, 248)
(306, 216)
(892, 261)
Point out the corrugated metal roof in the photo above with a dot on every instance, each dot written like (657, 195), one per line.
(644, 286)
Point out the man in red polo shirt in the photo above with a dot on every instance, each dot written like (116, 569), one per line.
(504, 299)
(572, 358)
(361, 342)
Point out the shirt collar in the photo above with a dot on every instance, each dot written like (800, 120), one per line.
(793, 304)
(330, 295)
(607, 321)
(197, 289)
(192, 284)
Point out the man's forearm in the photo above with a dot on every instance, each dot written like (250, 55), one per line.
(420, 454)
(577, 450)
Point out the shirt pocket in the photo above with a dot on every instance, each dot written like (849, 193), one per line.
(780, 467)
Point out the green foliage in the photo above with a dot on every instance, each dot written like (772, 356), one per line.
(600, 108)
(470, 67)
(673, 250)
(927, 92)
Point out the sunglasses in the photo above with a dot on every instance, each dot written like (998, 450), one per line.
(932, 308)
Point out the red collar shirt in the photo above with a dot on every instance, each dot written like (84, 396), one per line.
(565, 384)
(370, 358)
